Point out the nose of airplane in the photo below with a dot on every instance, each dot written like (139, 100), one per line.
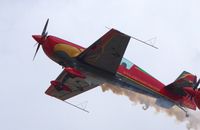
(38, 38)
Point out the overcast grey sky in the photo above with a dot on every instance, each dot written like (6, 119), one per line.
(24, 105)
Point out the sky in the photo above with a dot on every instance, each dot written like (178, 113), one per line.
(174, 23)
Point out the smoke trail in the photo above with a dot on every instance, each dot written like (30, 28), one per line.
(136, 98)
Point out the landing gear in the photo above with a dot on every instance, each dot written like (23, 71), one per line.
(186, 112)
(145, 107)
(187, 115)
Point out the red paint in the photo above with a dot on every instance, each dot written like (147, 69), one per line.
(66, 88)
(190, 78)
(145, 80)
(39, 39)
(62, 86)
(134, 73)
(190, 91)
(49, 43)
(55, 83)
(197, 99)
(74, 72)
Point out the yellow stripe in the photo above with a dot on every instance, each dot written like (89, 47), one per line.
(70, 50)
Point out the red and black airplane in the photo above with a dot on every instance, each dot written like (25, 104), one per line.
(103, 62)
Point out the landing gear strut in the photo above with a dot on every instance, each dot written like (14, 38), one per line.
(186, 112)
(145, 107)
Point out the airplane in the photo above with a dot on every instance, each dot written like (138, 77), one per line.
(103, 62)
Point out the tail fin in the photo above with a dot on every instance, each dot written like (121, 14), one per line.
(181, 84)
(190, 80)
(187, 77)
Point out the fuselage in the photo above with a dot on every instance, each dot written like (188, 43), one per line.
(130, 77)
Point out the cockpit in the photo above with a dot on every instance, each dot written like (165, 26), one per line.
(126, 63)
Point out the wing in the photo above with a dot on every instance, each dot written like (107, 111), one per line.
(107, 52)
(67, 86)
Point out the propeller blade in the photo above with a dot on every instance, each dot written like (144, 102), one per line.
(44, 33)
(40, 39)
(196, 85)
(36, 51)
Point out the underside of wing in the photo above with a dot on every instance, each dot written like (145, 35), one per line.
(67, 86)
(107, 52)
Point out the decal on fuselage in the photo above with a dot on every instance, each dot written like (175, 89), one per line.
(69, 50)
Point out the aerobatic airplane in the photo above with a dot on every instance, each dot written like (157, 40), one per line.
(103, 62)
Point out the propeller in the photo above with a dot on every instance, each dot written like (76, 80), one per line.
(193, 94)
(196, 85)
(40, 38)
(197, 99)
(197, 94)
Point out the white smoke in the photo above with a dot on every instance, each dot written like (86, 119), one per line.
(192, 121)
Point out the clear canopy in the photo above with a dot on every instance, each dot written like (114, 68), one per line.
(126, 63)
